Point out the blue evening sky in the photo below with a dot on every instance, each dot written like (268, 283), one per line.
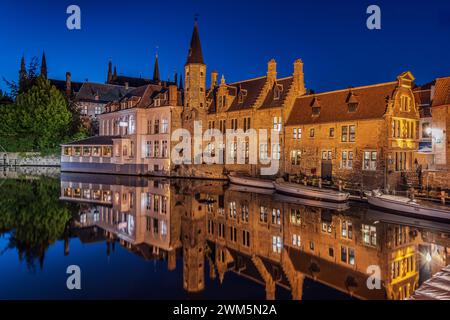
(238, 38)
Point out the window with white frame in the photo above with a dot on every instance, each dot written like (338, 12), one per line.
(327, 155)
(131, 124)
(276, 151)
(277, 124)
(347, 159)
(148, 149)
(296, 156)
(164, 126)
(263, 151)
(164, 149)
(370, 160)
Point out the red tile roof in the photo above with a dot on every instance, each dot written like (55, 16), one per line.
(270, 102)
(442, 92)
(252, 88)
(372, 103)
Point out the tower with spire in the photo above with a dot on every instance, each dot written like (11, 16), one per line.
(43, 66)
(156, 76)
(110, 74)
(195, 75)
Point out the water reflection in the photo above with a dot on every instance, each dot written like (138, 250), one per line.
(212, 230)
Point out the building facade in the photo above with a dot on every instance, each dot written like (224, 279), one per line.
(364, 135)
(134, 135)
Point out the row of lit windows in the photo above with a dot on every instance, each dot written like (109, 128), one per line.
(96, 151)
(348, 133)
(347, 156)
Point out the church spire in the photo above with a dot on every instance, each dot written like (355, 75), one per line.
(195, 50)
(43, 66)
(181, 83)
(156, 69)
(115, 73)
(109, 76)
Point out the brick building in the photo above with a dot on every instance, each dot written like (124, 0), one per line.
(366, 135)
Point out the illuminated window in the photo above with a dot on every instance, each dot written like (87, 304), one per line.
(370, 160)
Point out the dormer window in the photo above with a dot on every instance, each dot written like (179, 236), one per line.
(278, 89)
(352, 106)
(242, 94)
(315, 107)
(352, 102)
(157, 102)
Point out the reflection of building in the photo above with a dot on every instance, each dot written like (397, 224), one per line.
(269, 239)
(135, 211)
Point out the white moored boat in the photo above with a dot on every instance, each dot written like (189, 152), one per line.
(250, 181)
(299, 190)
(407, 206)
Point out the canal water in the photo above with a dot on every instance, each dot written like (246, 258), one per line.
(142, 238)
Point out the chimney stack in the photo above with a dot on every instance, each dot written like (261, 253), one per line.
(68, 84)
(299, 79)
(173, 95)
(126, 85)
(272, 71)
(214, 76)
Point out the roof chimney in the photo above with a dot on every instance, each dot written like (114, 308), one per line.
(68, 84)
(214, 76)
(272, 71)
(126, 85)
(173, 95)
(298, 77)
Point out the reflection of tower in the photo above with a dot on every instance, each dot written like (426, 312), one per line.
(193, 234)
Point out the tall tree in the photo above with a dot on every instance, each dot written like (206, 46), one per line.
(27, 78)
(39, 120)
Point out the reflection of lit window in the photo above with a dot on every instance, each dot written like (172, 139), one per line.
(263, 214)
(276, 216)
(426, 130)
(163, 227)
(296, 240)
(107, 196)
(86, 151)
(87, 194)
(369, 235)
(295, 217)
(77, 193)
(96, 194)
(68, 192)
(326, 227)
(276, 244)
(346, 229)
(67, 151)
